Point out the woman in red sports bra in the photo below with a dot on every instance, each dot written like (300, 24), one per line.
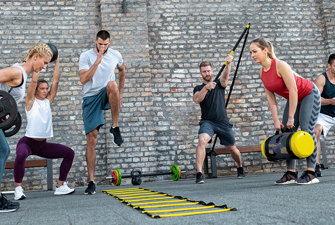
(302, 107)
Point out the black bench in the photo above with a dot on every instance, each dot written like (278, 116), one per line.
(244, 149)
(220, 151)
(37, 163)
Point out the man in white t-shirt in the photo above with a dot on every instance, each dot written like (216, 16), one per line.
(101, 92)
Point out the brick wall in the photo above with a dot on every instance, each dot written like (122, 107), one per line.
(162, 43)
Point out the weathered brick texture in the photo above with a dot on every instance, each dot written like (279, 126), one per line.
(162, 43)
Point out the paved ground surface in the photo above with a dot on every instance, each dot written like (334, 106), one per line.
(257, 199)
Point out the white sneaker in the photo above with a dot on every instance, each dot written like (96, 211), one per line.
(18, 194)
(64, 190)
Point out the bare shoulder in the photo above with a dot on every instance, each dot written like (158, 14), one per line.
(283, 69)
(11, 74)
(281, 63)
(320, 79)
(14, 71)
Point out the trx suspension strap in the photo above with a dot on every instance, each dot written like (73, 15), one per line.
(232, 52)
(246, 31)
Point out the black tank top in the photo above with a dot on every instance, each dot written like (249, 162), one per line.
(328, 92)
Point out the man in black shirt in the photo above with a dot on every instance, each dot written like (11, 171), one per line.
(326, 85)
(211, 97)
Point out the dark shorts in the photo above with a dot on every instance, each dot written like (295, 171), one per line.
(224, 131)
(93, 107)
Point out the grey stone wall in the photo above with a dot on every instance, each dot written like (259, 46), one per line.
(162, 43)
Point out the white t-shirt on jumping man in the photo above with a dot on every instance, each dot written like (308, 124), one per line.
(105, 71)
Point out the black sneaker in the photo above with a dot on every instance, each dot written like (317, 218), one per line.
(240, 173)
(8, 206)
(288, 178)
(90, 190)
(318, 170)
(308, 177)
(200, 178)
(117, 135)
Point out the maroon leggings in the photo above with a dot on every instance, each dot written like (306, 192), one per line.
(28, 146)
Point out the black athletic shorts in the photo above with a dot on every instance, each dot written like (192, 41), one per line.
(224, 131)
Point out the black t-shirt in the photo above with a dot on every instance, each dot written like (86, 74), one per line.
(213, 106)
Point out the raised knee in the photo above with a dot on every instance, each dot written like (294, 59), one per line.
(112, 86)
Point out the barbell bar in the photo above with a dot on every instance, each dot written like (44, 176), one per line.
(116, 176)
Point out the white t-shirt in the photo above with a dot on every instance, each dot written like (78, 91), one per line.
(39, 120)
(19, 91)
(104, 72)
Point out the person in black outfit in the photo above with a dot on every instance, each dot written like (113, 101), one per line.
(326, 85)
(211, 97)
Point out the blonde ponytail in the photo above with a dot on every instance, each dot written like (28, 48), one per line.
(42, 49)
(271, 53)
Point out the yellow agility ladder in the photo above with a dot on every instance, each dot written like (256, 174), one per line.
(151, 203)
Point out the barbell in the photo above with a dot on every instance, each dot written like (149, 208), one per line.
(136, 175)
(10, 118)
(13, 128)
(8, 109)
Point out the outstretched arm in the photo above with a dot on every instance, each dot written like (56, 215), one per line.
(273, 108)
(226, 72)
(285, 71)
(55, 81)
(30, 97)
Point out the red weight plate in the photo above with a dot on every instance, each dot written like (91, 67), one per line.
(114, 177)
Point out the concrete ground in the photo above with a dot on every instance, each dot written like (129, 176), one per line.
(256, 198)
